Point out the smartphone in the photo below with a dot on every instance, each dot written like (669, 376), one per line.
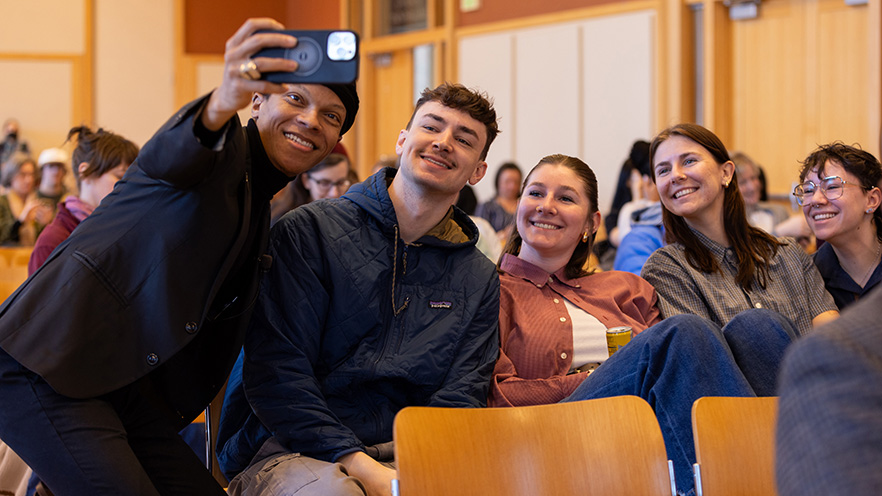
(325, 57)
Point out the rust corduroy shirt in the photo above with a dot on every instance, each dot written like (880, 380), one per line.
(536, 334)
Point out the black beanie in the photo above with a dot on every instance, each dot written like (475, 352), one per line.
(349, 97)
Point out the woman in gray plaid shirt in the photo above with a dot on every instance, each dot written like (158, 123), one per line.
(715, 264)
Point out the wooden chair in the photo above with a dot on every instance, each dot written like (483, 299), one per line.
(15, 256)
(610, 446)
(734, 446)
(10, 279)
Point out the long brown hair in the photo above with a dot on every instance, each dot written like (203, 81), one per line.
(576, 265)
(753, 247)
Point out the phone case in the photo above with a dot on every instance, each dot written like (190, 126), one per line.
(325, 57)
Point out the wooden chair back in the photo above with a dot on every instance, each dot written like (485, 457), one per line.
(10, 279)
(15, 256)
(610, 446)
(735, 446)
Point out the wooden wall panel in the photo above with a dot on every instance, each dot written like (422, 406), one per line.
(210, 22)
(800, 77)
(134, 87)
(393, 105)
(618, 99)
(502, 10)
(771, 111)
(842, 75)
(43, 26)
(44, 120)
(548, 74)
(563, 88)
(495, 76)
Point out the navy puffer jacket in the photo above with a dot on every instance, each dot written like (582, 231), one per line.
(353, 325)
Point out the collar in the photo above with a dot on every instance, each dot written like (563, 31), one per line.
(267, 180)
(835, 276)
(448, 230)
(518, 267)
(717, 249)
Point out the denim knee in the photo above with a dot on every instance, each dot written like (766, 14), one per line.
(759, 324)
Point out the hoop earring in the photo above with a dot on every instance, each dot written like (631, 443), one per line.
(585, 237)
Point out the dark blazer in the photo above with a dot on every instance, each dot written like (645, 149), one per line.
(167, 262)
(829, 434)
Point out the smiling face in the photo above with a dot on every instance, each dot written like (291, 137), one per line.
(300, 127)
(749, 184)
(690, 182)
(553, 214)
(509, 184)
(441, 151)
(838, 221)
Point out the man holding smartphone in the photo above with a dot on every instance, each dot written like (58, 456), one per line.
(375, 301)
(132, 325)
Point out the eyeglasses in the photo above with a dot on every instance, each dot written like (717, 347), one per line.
(831, 187)
(326, 184)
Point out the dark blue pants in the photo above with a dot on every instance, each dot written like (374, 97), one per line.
(124, 442)
(685, 357)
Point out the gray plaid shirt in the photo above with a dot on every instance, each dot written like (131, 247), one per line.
(794, 289)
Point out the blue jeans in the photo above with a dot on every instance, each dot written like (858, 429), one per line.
(685, 357)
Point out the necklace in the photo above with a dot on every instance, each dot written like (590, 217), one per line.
(873, 264)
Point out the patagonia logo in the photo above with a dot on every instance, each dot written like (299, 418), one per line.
(440, 304)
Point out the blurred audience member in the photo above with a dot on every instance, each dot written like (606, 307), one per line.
(488, 243)
(101, 159)
(643, 191)
(761, 214)
(330, 178)
(53, 167)
(499, 211)
(647, 234)
(11, 142)
(22, 214)
(383, 162)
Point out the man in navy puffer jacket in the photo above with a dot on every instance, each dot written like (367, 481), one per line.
(375, 301)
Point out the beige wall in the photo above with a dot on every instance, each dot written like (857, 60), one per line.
(40, 44)
(134, 66)
(107, 63)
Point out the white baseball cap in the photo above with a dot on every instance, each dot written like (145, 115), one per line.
(52, 156)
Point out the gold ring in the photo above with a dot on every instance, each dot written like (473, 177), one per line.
(249, 71)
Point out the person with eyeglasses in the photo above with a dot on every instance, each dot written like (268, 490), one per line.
(840, 197)
(330, 178)
(716, 265)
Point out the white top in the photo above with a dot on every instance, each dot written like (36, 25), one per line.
(589, 337)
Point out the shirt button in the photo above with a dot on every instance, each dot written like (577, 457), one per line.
(556, 300)
(759, 305)
(563, 319)
(563, 355)
(191, 327)
(152, 359)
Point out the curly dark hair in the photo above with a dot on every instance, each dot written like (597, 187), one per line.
(857, 162)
